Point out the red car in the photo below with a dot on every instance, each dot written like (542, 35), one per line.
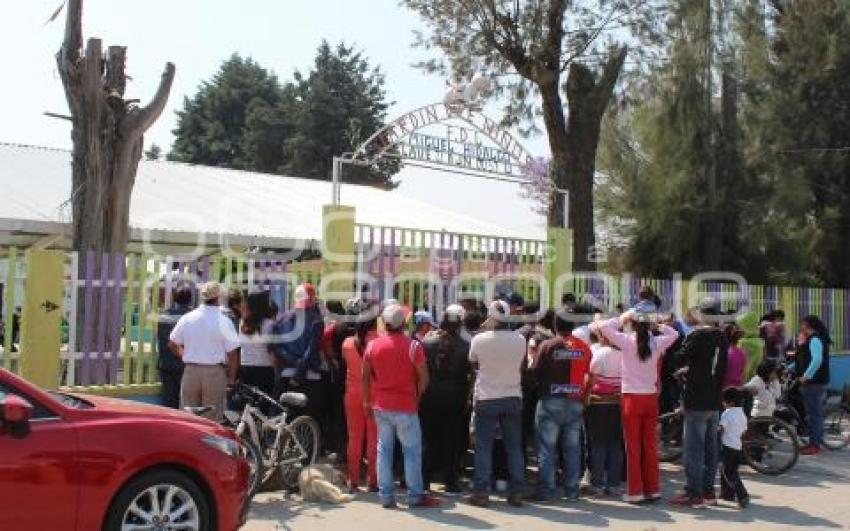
(86, 463)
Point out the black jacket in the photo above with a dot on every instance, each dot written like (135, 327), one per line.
(705, 354)
(166, 360)
(804, 359)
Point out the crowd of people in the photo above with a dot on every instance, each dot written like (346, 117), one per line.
(576, 391)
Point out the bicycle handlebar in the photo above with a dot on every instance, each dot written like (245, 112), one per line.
(258, 395)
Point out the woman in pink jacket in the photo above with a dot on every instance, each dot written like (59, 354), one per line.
(641, 354)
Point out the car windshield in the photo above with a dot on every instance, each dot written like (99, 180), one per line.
(70, 400)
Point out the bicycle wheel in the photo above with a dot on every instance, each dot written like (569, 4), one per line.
(670, 430)
(255, 460)
(770, 445)
(836, 429)
(299, 448)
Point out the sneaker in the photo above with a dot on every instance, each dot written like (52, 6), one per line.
(653, 498)
(710, 498)
(389, 505)
(353, 489)
(479, 500)
(685, 500)
(373, 488)
(515, 500)
(453, 489)
(427, 502)
(744, 503)
(810, 450)
(634, 500)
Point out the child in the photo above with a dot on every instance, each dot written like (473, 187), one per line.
(766, 388)
(733, 424)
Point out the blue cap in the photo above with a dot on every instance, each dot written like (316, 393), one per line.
(423, 317)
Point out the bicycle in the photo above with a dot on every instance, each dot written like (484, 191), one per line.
(770, 445)
(276, 448)
(836, 418)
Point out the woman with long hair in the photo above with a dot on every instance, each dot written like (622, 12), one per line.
(255, 330)
(444, 407)
(812, 371)
(641, 354)
(361, 427)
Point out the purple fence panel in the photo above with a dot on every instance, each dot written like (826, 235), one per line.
(117, 315)
(88, 318)
(101, 319)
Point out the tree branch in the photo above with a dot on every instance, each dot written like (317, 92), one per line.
(140, 119)
(555, 37)
(610, 75)
(72, 43)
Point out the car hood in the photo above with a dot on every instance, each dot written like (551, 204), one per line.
(106, 406)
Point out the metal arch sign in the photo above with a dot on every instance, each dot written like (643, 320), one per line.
(472, 142)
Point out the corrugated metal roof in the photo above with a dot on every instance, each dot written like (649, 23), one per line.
(170, 196)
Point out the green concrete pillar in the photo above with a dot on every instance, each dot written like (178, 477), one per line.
(559, 260)
(41, 318)
(338, 253)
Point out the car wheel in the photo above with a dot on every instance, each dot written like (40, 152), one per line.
(160, 499)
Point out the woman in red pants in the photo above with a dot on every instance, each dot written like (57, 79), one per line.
(360, 426)
(641, 354)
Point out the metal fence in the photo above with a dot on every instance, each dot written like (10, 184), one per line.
(112, 302)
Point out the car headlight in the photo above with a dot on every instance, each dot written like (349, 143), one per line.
(224, 445)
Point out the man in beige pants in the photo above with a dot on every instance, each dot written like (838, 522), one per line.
(207, 342)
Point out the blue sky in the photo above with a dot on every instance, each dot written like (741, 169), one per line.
(197, 35)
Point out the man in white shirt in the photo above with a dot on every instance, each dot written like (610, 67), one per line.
(498, 354)
(206, 340)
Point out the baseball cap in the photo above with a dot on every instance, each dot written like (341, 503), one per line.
(211, 291)
(393, 316)
(455, 312)
(498, 309)
(423, 317)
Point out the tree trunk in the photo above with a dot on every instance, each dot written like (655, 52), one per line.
(107, 134)
(587, 99)
(722, 229)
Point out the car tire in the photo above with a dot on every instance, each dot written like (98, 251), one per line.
(184, 492)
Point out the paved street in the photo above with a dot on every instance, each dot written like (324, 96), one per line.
(814, 494)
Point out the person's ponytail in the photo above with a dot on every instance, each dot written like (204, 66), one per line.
(644, 350)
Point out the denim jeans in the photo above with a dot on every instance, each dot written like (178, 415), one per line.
(490, 416)
(813, 398)
(559, 419)
(702, 451)
(405, 426)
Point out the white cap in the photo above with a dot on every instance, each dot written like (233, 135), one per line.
(393, 316)
(455, 312)
(498, 309)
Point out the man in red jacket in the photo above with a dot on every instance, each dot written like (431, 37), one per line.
(561, 371)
